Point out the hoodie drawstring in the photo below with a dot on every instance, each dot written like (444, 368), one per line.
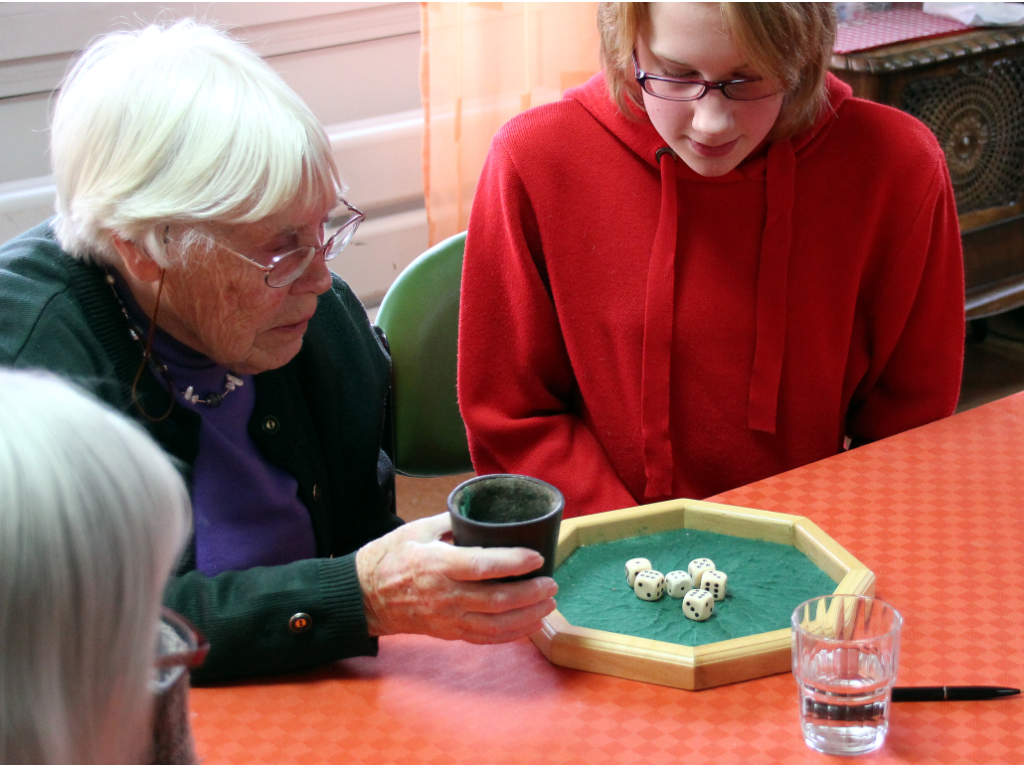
(659, 320)
(659, 314)
(772, 276)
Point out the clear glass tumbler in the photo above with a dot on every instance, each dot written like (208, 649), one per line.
(845, 657)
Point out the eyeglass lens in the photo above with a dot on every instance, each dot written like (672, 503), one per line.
(290, 266)
(744, 90)
(179, 647)
(178, 642)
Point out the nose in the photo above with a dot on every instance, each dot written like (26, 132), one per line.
(316, 279)
(713, 115)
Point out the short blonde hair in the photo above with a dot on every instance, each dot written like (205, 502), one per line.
(178, 124)
(790, 43)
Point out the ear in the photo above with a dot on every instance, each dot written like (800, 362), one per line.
(136, 261)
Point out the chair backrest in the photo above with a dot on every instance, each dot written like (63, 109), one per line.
(420, 317)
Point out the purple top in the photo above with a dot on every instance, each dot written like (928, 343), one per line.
(247, 512)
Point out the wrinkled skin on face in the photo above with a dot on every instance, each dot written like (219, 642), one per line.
(221, 306)
(714, 134)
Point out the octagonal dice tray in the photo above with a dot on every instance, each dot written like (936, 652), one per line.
(681, 666)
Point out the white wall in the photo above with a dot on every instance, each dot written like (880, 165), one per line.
(355, 64)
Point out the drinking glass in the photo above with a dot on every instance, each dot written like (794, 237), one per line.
(845, 656)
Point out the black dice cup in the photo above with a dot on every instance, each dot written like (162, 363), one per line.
(508, 511)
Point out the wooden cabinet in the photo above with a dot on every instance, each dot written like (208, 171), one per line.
(968, 88)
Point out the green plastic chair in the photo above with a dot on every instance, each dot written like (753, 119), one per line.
(420, 318)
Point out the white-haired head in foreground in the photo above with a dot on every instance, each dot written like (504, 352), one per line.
(92, 517)
(178, 124)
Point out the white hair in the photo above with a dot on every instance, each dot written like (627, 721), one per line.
(178, 124)
(92, 517)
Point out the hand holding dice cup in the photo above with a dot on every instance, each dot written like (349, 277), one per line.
(415, 582)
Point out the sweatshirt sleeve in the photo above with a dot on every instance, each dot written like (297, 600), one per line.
(917, 327)
(246, 617)
(517, 390)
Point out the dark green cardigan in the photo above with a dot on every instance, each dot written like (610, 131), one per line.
(319, 418)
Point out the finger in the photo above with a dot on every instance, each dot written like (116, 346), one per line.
(476, 563)
(499, 597)
(481, 639)
(510, 623)
(428, 529)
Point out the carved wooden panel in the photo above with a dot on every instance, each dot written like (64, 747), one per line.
(969, 90)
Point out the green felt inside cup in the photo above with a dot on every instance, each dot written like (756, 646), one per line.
(766, 582)
(505, 500)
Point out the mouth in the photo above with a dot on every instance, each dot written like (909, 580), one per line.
(720, 150)
(293, 328)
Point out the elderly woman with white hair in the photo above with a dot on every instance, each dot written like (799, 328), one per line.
(184, 281)
(92, 518)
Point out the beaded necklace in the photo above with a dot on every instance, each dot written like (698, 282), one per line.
(212, 399)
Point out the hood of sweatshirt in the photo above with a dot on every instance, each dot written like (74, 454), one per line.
(776, 166)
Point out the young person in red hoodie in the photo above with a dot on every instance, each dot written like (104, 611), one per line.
(706, 266)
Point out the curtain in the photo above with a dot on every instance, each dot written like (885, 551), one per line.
(482, 64)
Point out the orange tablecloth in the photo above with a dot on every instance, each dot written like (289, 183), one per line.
(937, 513)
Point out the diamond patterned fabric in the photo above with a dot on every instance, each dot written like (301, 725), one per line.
(870, 29)
(925, 510)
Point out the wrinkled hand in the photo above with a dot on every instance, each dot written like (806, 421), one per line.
(415, 581)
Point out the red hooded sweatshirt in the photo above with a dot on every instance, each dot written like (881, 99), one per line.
(631, 331)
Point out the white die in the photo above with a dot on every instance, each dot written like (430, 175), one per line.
(634, 566)
(697, 568)
(714, 582)
(677, 583)
(698, 604)
(649, 585)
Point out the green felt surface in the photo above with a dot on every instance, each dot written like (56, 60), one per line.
(766, 582)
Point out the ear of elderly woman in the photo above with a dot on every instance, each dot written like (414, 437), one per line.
(184, 281)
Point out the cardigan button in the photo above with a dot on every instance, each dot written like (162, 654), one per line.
(317, 493)
(271, 424)
(300, 622)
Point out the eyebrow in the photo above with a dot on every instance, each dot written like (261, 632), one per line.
(665, 57)
(687, 65)
(278, 238)
(293, 230)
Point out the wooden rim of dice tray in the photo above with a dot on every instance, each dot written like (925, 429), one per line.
(681, 666)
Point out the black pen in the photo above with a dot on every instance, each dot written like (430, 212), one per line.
(952, 693)
(822, 710)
